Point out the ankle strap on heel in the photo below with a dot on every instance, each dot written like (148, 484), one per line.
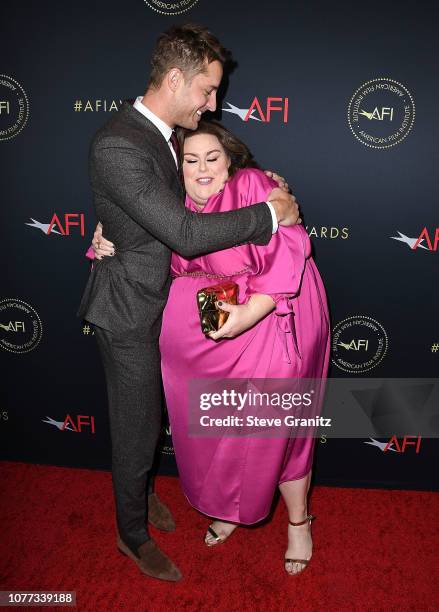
(309, 518)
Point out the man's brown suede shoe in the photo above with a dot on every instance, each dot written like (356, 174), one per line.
(159, 515)
(152, 562)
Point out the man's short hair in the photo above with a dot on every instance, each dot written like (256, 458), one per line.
(186, 47)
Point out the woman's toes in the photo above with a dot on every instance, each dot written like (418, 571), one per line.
(299, 547)
(222, 529)
(293, 568)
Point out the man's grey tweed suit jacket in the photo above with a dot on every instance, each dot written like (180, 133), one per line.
(139, 199)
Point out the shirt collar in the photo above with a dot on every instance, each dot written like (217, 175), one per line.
(160, 125)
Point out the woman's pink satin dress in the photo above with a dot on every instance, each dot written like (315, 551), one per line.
(234, 478)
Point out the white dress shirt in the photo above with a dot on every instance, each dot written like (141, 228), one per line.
(166, 131)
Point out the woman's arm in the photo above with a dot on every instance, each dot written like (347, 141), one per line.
(243, 316)
(275, 269)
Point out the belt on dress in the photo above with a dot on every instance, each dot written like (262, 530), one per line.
(202, 274)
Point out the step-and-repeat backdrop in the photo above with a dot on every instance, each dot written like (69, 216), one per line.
(340, 98)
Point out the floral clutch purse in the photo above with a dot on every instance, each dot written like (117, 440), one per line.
(211, 316)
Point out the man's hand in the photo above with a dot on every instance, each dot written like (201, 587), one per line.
(281, 182)
(285, 206)
(101, 246)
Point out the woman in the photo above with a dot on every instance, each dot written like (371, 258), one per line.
(279, 330)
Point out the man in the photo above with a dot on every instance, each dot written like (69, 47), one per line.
(138, 197)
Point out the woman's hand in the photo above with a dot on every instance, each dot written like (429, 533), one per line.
(281, 182)
(243, 316)
(101, 246)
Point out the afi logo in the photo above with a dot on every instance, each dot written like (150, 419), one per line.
(72, 222)
(81, 421)
(424, 235)
(14, 326)
(70, 424)
(4, 106)
(418, 242)
(406, 441)
(355, 346)
(261, 110)
(386, 111)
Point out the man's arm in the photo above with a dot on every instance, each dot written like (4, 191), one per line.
(127, 177)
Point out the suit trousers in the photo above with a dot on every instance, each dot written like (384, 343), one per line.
(134, 389)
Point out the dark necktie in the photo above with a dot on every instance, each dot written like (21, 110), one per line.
(176, 146)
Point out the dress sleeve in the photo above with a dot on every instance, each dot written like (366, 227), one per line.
(277, 268)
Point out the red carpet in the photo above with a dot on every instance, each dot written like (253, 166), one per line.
(374, 549)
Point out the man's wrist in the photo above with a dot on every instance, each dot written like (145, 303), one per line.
(273, 216)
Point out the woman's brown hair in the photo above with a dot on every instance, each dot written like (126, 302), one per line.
(239, 154)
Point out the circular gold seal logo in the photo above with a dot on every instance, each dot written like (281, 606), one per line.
(381, 113)
(359, 344)
(171, 7)
(14, 107)
(20, 326)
